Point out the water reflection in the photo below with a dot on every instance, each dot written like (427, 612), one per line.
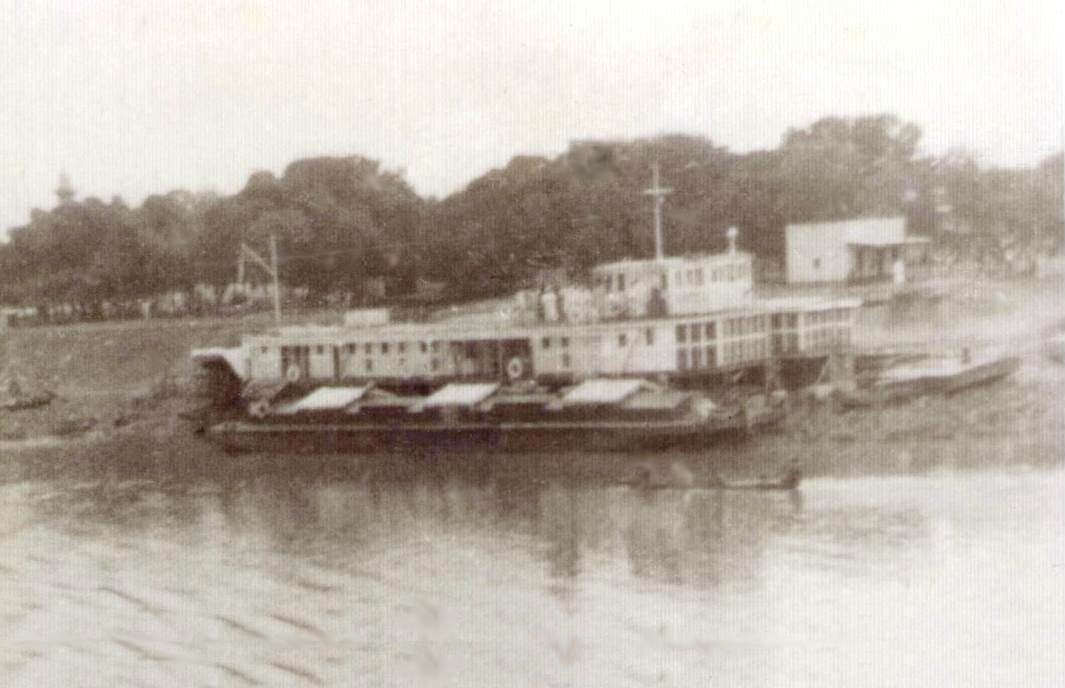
(354, 572)
(698, 538)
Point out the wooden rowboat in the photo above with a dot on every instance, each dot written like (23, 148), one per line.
(646, 478)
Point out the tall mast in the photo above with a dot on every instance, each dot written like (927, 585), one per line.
(659, 194)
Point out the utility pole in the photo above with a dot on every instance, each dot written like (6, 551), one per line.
(270, 268)
(659, 194)
(277, 287)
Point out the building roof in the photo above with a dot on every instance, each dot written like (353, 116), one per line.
(460, 394)
(328, 399)
(601, 391)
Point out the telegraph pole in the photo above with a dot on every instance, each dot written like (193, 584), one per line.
(659, 195)
(277, 286)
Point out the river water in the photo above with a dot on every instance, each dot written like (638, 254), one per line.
(275, 576)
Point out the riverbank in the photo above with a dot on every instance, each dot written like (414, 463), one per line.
(122, 389)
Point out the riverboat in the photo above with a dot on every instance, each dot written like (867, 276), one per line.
(692, 351)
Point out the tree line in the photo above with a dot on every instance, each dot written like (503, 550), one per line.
(344, 223)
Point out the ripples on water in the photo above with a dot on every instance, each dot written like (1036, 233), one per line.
(261, 575)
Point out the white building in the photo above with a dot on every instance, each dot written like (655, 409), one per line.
(859, 250)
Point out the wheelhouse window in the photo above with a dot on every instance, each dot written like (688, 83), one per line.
(545, 343)
(649, 335)
(682, 359)
(711, 330)
(682, 334)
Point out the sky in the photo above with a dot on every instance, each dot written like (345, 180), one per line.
(131, 99)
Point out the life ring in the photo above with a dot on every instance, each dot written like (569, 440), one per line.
(516, 368)
(258, 408)
(293, 373)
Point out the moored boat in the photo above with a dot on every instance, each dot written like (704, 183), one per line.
(615, 414)
(931, 376)
(706, 354)
(648, 477)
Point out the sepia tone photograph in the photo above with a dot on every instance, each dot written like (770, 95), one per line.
(470, 343)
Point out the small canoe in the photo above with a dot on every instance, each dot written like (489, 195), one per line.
(646, 480)
(27, 401)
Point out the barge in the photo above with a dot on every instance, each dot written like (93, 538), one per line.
(650, 351)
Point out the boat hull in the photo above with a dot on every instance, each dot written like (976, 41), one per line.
(243, 436)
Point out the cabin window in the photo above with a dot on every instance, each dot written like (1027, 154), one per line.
(699, 277)
(434, 364)
(682, 359)
(545, 343)
(384, 347)
(319, 349)
(564, 341)
(697, 333)
(609, 283)
(621, 282)
(435, 346)
(711, 331)
(665, 280)
(351, 348)
(623, 339)
(677, 281)
(682, 334)
(711, 357)
(423, 347)
(265, 350)
(777, 321)
(649, 335)
(565, 360)
(697, 357)
(369, 348)
(369, 365)
(401, 347)
(792, 320)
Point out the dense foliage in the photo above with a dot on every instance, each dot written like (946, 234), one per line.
(341, 221)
